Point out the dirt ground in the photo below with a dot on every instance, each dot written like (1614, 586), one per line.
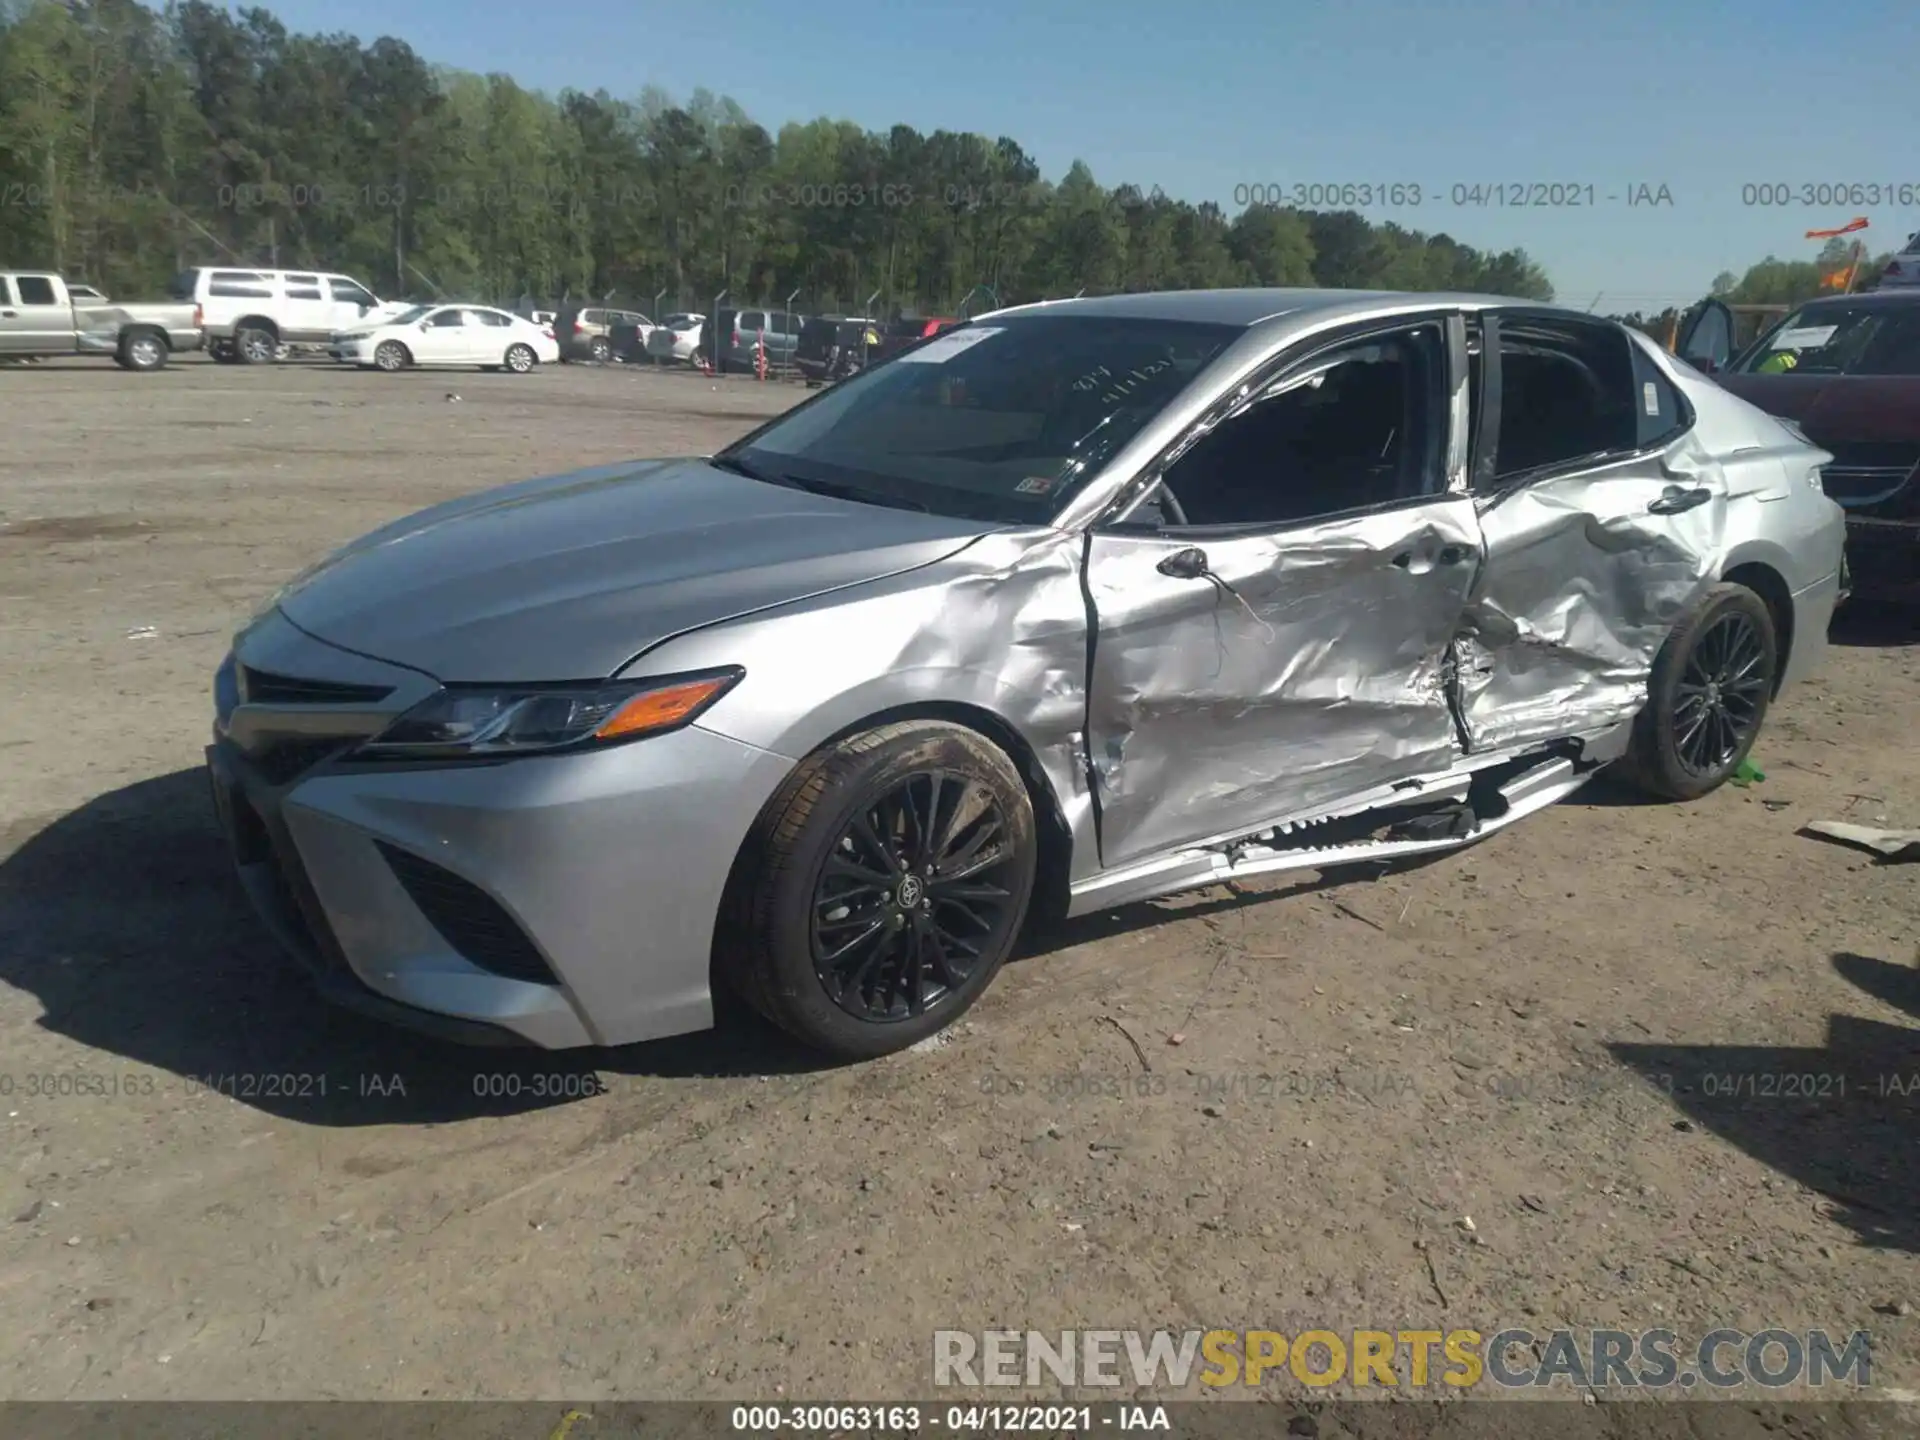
(1539, 1033)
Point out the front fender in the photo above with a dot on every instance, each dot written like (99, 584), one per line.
(999, 628)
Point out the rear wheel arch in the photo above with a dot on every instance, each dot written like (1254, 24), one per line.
(1771, 587)
(257, 322)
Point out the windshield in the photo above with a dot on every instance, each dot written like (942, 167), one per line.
(1002, 420)
(1840, 339)
(409, 315)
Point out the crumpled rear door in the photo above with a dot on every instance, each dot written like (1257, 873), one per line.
(1584, 577)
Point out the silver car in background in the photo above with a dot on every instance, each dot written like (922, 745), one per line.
(1071, 606)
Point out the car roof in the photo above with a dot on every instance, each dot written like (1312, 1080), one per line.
(1250, 307)
(1865, 297)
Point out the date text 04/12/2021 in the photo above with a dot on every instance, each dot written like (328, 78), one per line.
(235, 1085)
(1475, 195)
(959, 1419)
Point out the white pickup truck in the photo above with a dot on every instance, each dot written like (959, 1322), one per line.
(39, 316)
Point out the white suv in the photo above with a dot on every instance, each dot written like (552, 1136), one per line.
(251, 315)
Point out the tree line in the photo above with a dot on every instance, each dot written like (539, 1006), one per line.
(135, 142)
(1772, 281)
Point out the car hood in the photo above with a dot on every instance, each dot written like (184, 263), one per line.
(1861, 408)
(571, 577)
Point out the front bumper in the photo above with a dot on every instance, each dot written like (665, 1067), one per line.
(606, 867)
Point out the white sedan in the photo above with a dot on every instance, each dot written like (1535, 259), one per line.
(450, 335)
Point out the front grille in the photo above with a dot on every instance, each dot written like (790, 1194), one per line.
(265, 688)
(469, 919)
(1867, 473)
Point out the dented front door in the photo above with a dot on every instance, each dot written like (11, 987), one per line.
(1585, 575)
(1237, 681)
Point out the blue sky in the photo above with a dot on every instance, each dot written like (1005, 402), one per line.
(1704, 97)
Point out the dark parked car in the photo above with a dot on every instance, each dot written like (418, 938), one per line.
(833, 347)
(1846, 371)
(911, 330)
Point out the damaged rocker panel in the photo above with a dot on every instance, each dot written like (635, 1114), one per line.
(1418, 817)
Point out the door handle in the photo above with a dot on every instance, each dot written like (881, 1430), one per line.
(8, 314)
(1187, 564)
(1678, 498)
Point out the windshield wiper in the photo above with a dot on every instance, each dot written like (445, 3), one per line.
(816, 487)
(856, 494)
(752, 472)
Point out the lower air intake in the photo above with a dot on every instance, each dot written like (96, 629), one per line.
(469, 919)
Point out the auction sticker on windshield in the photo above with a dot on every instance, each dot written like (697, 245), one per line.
(1806, 337)
(943, 348)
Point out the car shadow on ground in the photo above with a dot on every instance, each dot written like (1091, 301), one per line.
(124, 920)
(1838, 1118)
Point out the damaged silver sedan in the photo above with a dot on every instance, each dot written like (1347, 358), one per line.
(1071, 606)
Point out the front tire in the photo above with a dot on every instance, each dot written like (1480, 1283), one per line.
(601, 349)
(521, 359)
(881, 888)
(391, 356)
(1707, 697)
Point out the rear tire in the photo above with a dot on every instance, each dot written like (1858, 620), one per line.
(141, 350)
(861, 916)
(520, 359)
(254, 346)
(1707, 697)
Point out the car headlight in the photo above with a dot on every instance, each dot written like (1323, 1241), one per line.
(488, 721)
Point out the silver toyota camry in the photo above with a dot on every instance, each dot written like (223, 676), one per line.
(1071, 606)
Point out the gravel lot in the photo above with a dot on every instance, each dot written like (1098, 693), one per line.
(1538, 1033)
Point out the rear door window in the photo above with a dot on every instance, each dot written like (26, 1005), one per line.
(1660, 413)
(1567, 394)
(303, 287)
(347, 292)
(240, 285)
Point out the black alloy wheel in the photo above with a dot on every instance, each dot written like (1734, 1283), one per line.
(1721, 694)
(918, 891)
(1707, 696)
